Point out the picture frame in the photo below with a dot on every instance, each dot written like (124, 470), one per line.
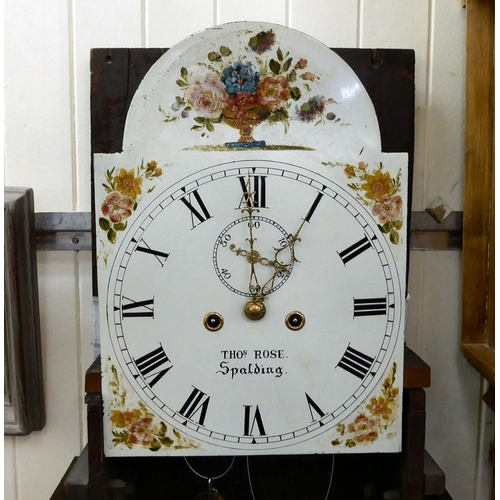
(24, 407)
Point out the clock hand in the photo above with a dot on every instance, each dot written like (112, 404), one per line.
(281, 267)
(254, 308)
(255, 256)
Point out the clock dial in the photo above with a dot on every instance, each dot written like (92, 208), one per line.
(251, 256)
(243, 386)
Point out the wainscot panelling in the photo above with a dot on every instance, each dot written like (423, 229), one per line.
(9, 477)
(257, 10)
(413, 313)
(38, 142)
(167, 23)
(486, 438)
(96, 23)
(444, 124)
(43, 457)
(454, 396)
(404, 25)
(85, 335)
(337, 26)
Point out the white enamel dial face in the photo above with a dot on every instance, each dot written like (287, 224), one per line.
(253, 386)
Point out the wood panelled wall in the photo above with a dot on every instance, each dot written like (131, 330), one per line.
(47, 147)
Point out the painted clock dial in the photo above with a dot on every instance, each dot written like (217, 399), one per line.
(251, 278)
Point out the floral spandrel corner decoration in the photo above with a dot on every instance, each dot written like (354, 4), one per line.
(226, 89)
(138, 427)
(378, 190)
(375, 421)
(124, 193)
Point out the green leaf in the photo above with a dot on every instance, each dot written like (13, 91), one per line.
(209, 126)
(292, 76)
(120, 226)
(197, 127)
(166, 441)
(398, 224)
(200, 119)
(278, 115)
(104, 224)
(163, 429)
(214, 56)
(295, 93)
(155, 445)
(225, 51)
(275, 66)
(287, 64)
(112, 236)
(182, 83)
(184, 73)
(387, 227)
(279, 54)
(177, 434)
(394, 237)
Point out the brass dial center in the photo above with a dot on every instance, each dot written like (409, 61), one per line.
(253, 257)
(255, 310)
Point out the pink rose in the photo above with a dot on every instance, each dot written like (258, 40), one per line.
(207, 95)
(388, 208)
(117, 207)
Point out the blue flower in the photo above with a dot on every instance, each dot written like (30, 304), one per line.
(240, 78)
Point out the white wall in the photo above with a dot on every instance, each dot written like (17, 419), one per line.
(47, 147)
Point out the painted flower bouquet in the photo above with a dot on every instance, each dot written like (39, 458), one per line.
(378, 190)
(243, 93)
(138, 427)
(380, 414)
(124, 190)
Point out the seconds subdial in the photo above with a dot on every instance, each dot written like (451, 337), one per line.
(232, 254)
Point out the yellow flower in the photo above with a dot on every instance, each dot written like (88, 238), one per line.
(379, 408)
(377, 185)
(123, 419)
(127, 184)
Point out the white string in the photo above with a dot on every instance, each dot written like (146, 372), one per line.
(329, 484)
(206, 477)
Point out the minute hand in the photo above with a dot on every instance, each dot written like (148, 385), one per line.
(293, 239)
(282, 267)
